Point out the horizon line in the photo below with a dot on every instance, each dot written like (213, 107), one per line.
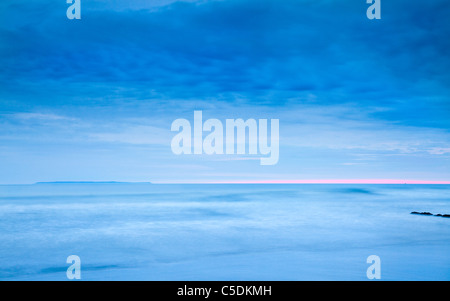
(306, 181)
(312, 181)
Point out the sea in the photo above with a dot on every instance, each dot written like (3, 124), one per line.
(144, 231)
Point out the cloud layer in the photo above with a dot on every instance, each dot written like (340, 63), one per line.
(344, 87)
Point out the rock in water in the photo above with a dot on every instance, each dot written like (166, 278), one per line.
(428, 213)
(443, 215)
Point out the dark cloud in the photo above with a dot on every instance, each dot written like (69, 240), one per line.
(268, 51)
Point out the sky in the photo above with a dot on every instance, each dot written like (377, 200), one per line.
(357, 100)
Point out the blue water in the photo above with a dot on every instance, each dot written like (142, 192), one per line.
(223, 232)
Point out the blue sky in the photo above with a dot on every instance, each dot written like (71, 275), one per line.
(93, 99)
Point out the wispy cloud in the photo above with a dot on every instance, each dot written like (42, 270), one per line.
(40, 116)
(136, 135)
(439, 151)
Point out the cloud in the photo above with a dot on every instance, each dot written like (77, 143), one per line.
(138, 135)
(256, 48)
(348, 127)
(439, 150)
(40, 116)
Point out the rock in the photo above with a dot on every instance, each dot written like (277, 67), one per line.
(428, 213)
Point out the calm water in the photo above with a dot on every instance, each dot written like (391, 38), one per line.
(223, 232)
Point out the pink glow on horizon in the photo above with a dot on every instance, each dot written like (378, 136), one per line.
(345, 181)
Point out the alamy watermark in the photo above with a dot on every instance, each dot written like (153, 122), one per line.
(222, 140)
(374, 10)
(74, 270)
(74, 10)
(374, 270)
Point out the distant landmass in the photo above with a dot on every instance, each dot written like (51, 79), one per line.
(91, 182)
